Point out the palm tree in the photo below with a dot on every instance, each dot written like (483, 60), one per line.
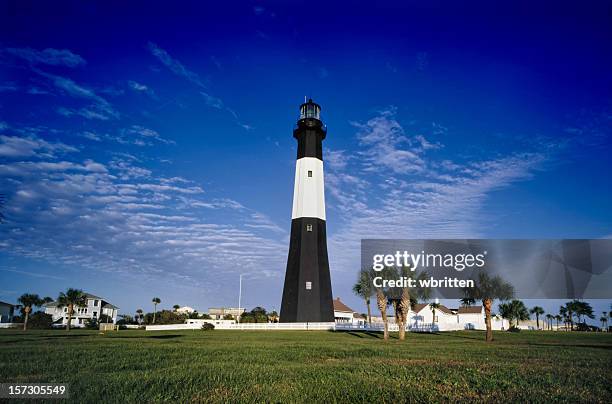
(519, 311)
(364, 289)
(156, 301)
(139, 315)
(549, 318)
(563, 313)
(583, 309)
(505, 311)
(28, 301)
(176, 307)
(558, 318)
(71, 298)
(433, 306)
(538, 311)
(487, 289)
(381, 299)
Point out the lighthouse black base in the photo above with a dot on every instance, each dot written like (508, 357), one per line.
(307, 295)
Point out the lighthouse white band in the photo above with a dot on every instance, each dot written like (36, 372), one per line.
(308, 193)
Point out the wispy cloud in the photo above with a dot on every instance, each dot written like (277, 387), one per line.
(175, 66)
(49, 56)
(99, 108)
(179, 69)
(141, 88)
(13, 146)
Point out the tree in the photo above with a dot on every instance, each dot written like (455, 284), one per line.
(549, 318)
(583, 309)
(139, 316)
(28, 301)
(176, 307)
(487, 289)
(70, 299)
(505, 311)
(156, 301)
(401, 304)
(364, 289)
(563, 313)
(558, 318)
(40, 321)
(381, 299)
(603, 321)
(519, 311)
(538, 311)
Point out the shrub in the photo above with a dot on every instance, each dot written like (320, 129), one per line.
(40, 321)
(208, 327)
(514, 329)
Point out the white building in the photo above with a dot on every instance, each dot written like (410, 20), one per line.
(7, 311)
(218, 313)
(345, 315)
(421, 316)
(94, 308)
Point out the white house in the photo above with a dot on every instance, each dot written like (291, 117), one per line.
(345, 315)
(94, 308)
(218, 313)
(7, 311)
(463, 318)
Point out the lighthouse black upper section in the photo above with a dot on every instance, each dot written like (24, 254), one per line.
(310, 133)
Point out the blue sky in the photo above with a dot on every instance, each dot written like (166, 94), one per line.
(151, 154)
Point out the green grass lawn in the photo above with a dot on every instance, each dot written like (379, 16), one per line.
(290, 366)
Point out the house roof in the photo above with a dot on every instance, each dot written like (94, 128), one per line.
(87, 295)
(6, 304)
(420, 306)
(339, 306)
(109, 306)
(470, 310)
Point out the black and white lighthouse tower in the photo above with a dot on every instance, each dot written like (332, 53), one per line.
(307, 295)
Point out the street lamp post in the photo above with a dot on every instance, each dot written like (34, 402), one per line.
(239, 298)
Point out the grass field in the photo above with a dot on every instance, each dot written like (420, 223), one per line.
(221, 366)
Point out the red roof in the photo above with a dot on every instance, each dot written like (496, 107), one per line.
(339, 306)
(420, 306)
(470, 310)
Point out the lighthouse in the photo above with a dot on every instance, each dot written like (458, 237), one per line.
(307, 294)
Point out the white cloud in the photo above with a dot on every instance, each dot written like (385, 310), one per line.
(175, 66)
(386, 146)
(100, 107)
(49, 56)
(13, 146)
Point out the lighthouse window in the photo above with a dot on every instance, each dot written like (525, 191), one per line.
(308, 285)
(310, 173)
(308, 227)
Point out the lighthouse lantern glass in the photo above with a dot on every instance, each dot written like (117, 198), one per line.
(310, 110)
